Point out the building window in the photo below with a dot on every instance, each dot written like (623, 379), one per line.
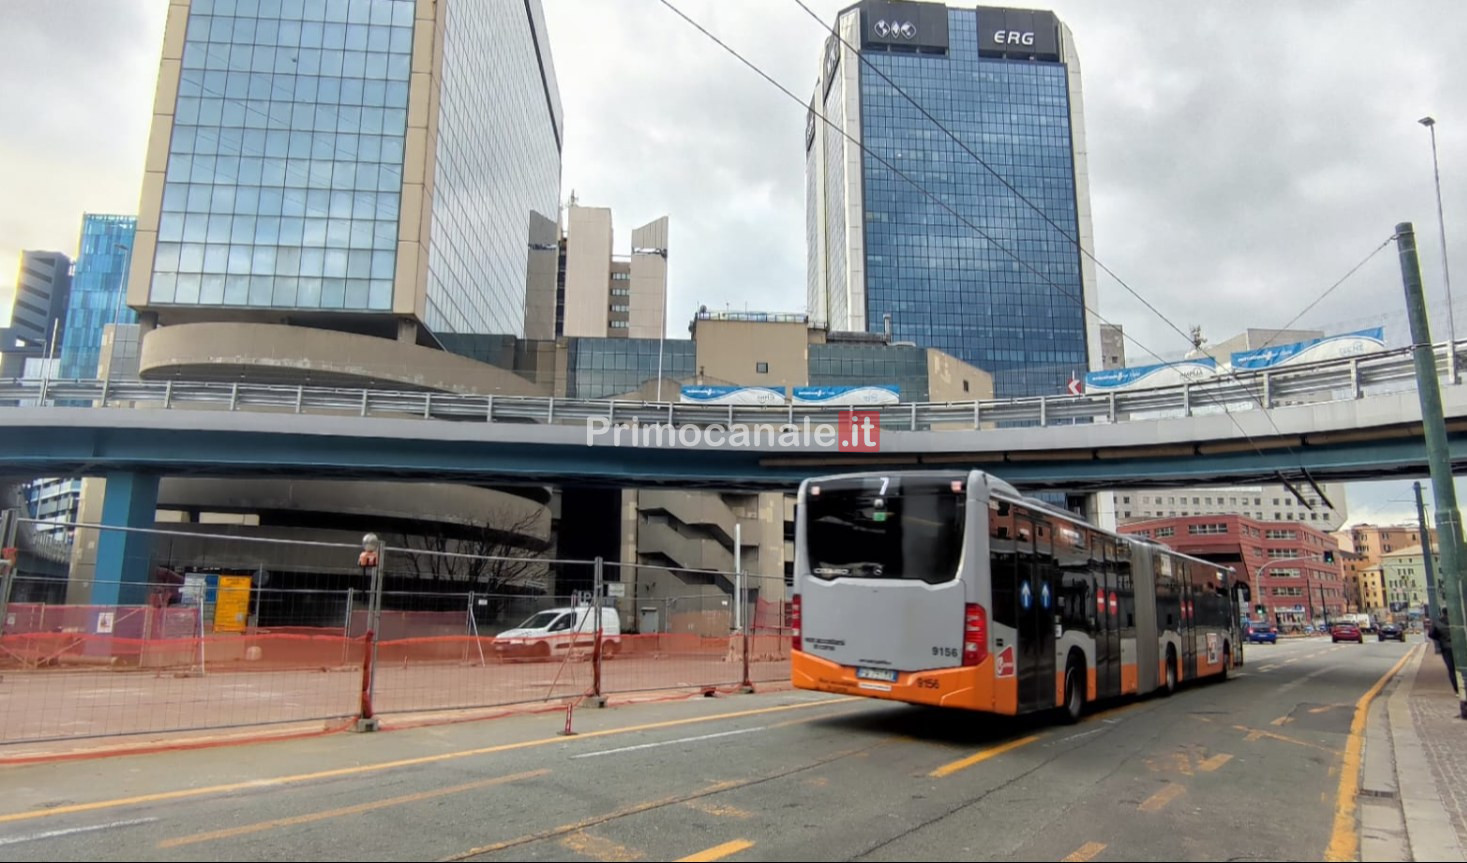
(761, 368)
(1199, 529)
(965, 386)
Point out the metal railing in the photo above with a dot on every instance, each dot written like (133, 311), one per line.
(1333, 380)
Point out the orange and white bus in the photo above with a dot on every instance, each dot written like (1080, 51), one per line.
(953, 589)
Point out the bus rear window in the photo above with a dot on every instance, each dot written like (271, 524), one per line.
(916, 533)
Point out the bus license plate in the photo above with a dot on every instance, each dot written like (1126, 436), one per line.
(886, 674)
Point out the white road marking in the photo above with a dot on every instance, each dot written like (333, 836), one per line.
(668, 742)
(72, 831)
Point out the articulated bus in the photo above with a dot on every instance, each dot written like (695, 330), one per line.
(952, 589)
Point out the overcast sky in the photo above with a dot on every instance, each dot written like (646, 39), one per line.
(1243, 155)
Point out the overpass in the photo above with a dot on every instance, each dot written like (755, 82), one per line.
(1351, 419)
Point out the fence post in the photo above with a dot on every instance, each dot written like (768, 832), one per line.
(9, 528)
(371, 557)
(598, 585)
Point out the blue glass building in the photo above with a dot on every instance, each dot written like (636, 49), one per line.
(98, 288)
(366, 165)
(1006, 84)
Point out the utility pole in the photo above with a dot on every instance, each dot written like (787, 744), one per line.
(1426, 555)
(1438, 455)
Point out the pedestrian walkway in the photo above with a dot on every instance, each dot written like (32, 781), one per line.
(1443, 738)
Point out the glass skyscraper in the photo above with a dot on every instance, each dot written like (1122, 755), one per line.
(367, 165)
(1006, 84)
(98, 285)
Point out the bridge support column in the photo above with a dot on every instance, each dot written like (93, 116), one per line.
(124, 557)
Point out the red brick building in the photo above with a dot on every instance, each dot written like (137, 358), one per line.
(1293, 570)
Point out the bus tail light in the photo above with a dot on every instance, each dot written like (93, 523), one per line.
(796, 641)
(975, 634)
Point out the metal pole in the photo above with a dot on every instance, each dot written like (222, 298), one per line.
(1438, 454)
(374, 623)
(1441, 223)
(738, 577)
(1426, 554)
(596, 589)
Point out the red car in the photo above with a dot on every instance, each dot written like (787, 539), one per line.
(1346, 632)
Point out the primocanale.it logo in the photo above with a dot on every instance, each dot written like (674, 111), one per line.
(853, 431)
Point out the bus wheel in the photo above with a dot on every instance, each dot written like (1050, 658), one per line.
(1227, 671)
(1074, 693)
(1171, 672)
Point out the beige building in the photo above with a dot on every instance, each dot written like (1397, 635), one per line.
(1404, 572)
(602, 294)
(1272, 502)
(1373, 591)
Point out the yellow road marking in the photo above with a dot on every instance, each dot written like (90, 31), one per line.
(1282, 720)
(1344, 843)
(1324, 709)
(1257, 734)
(718, 852)
(357, 770)
(718, 810)
(1085, 852)
(275, 823)
(964, 763)
(1215, 762)
(1159, 800)
(600, 848)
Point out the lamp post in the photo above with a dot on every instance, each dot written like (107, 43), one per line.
(1430, 124)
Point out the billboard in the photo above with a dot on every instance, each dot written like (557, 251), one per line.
(705, 395)
(1018, 34)
(879, 394)
(1146, 377)
(909, 25)
(1312, 351)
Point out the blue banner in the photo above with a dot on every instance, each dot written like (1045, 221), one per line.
(872, 394)
(708, 395)
(1312, 351)
(1143, 377)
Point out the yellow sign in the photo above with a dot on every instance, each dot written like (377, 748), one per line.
(232, 608)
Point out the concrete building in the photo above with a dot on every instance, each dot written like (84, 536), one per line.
(1272, 502)
(1353, 565)
(598, 293)
(374, 172)
(1404, 572)
(1112, 346)
(1373, 592)
(1304, 590)
(1014, 303)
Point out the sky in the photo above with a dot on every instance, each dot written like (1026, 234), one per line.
(1244, 155)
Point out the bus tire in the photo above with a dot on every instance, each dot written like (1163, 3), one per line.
(1074, 691)
(1170, 684)
(1227, 671)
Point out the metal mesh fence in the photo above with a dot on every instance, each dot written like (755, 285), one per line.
(233, 630)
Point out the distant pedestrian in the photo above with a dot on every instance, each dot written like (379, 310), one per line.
(1441, 633)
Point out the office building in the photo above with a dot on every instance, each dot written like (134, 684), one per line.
(38, 312)
(1006, 83)
(376, 169)
(98, 290)
(1406, 589)
(1293, 570)
(1268, 502)
(601, 294)
(1373, 541)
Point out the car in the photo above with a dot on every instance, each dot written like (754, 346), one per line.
(559, 632)
(1389, 632)
(1262, 633)
(1346, 632)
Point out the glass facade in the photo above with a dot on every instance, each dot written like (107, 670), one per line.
(98, 292)
(498, 161)
(945, 286)
(284, 176)
(600, 368)
(837, 365)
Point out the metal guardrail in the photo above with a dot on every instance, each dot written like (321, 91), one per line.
(1333, 380)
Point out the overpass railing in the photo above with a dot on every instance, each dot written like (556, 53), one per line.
(1333, 380)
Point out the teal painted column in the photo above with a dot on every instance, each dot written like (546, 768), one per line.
(124, 558)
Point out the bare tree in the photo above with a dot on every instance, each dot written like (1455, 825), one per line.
(501, 554)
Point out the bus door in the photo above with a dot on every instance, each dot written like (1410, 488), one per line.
(1189, 621)
(1038, 587)
(1108, 621)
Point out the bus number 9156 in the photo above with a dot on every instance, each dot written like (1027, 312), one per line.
(951, 652)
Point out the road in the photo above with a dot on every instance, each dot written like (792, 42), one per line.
(1244, 770)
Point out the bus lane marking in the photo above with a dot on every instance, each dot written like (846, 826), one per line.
(718, 852)
(979, 757)
(1084, 853)
(1158, 801)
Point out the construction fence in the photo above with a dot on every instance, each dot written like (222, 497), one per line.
(233, 631)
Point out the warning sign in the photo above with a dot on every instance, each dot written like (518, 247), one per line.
(104, 622)
(232, 609)
(1006, 662)
(1214, 648)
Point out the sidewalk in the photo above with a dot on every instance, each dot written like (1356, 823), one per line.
(1416, 756)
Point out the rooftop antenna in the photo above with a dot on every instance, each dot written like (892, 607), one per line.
(1197, 339)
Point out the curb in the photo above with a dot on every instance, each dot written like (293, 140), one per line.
(1429, 829)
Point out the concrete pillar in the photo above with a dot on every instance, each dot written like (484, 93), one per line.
(124, 557)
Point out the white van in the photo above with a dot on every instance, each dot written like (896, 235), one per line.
(556, 631)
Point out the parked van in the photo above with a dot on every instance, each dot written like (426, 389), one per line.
(557, 631)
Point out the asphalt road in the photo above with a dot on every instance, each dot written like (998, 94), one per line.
(1248, 769)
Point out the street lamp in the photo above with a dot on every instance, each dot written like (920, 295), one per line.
(1292, 561)
(1430, 124)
